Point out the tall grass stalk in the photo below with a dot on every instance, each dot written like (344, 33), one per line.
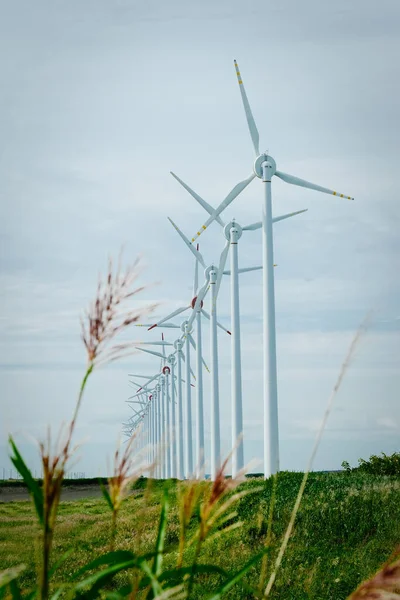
(128, 467)
(267, 545)
(103, 321)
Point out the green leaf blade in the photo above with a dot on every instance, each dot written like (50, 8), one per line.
(34, 489)
(162, 528)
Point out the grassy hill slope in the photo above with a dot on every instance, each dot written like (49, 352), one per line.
(347, 526)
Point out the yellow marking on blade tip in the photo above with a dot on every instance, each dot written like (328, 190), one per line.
(204, 227)
(334, 193)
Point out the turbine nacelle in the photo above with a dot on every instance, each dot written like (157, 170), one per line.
(178, 345)
(233, 228)
(185, 327)
(211, 273)
(171, 358)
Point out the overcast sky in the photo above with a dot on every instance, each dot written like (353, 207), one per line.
(99, 101)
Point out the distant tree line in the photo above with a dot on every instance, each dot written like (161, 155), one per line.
(383, 464)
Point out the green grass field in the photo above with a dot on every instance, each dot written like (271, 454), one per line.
(347, 526)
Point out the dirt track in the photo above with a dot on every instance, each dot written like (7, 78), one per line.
(13, 494)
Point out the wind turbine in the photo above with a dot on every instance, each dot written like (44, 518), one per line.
(265, 168)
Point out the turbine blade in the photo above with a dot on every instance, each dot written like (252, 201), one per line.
(161, 343)
(249, 115)
(248, 269)
(253, 226)
(150, 352)
(192, 249)
(173, 314)
(191, 340)
(137, 394)
(258, 225)
(140, 376)
(239, 187)
(207, 316)
(150, 379)
(221, 266)
(306, 184)
(288, 215)
(223, 328)
(205, 364)
(137, 384)
(165, 325)
(134, 396)
(207, 207)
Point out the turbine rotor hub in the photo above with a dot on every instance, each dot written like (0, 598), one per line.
(258, 165)
(193, 302)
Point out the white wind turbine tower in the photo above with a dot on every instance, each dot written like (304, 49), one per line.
(265, 168)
